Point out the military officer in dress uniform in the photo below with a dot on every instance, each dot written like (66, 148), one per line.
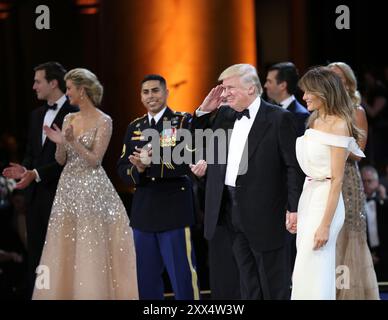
(162, 208)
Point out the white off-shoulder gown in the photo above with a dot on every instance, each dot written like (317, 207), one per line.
(314, 276)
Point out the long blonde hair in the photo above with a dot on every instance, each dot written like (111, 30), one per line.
(327, 85)
(350, 80)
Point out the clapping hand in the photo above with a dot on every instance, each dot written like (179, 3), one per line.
(14, 171)
(55, 135)
(18, 172)
(141, 158)
(199, 169)
(69, 133)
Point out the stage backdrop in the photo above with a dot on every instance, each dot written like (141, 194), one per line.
(188, 42)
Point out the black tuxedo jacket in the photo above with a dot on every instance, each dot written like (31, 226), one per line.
(273, 180)
(301, 114)
(42, 157)
(40, 196)
(382, 226)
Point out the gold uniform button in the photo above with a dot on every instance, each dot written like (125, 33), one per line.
(183, 188)
(153, 179)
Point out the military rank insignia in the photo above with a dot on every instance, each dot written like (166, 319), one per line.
(137, 135)
(168, 137)
(123, 151)
(174, 121)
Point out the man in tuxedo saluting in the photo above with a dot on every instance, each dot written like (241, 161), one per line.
(39, 173)
(251, 193)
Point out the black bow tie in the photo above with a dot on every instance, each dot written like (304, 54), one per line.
(48, 107)
(243, 113)
(372, 198)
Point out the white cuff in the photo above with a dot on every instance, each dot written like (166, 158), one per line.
(200, 113)
(37, 179)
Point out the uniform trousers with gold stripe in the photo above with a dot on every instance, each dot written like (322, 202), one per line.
(171, 250)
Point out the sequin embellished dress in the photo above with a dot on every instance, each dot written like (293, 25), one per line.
(352, 250)
(89, 251)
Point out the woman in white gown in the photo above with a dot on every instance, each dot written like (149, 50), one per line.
(322, 153)
(89, 250)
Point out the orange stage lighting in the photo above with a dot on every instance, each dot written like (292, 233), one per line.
(4, 10)
(88, 6)
(191, 42)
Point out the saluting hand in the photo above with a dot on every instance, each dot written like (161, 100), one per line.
(213, 99)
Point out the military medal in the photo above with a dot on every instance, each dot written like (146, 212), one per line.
(168, 137)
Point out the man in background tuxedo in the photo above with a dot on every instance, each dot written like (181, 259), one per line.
(377, 220)
(39, 172)
(251, 191)
(281, 85)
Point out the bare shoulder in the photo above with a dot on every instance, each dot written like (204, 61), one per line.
(339, 126)
(360, 108)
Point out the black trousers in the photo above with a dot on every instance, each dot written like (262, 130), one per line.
(223, 272)
(37, 222)
(263, 274)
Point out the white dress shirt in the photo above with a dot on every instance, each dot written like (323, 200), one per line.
(371, 218)
(48, 121)
(157, 116)
(286, 103)
(51, 114)
(238, 140)
(237, 143)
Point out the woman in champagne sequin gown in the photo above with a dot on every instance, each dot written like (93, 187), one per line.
(352, 249)
(89, 251)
